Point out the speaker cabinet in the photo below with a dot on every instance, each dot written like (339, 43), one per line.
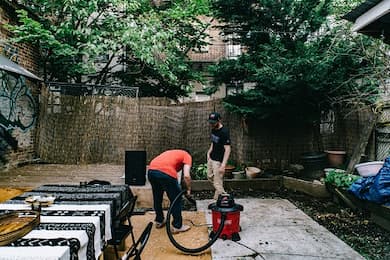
(135, 167)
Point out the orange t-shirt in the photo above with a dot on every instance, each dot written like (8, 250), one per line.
(170, 162)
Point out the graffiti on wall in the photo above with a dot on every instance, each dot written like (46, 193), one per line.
(17, 106)
(17, 110)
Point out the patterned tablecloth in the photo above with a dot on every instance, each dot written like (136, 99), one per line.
(76, 239)
(30, 252)
(76, 226)
(123, 190)
(103, 211)
(50, 224)
(114, 199)
(95, 243)
(89, 228)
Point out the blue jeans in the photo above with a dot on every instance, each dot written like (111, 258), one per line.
(162, 182)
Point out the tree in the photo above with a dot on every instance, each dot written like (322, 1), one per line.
(302, 60)
(151, 40)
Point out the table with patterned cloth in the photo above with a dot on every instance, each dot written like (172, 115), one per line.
(33, 252)
(113, 199)
(124, 190)
(89, 224)
(76, 240)
(102, 211)
(87, 212)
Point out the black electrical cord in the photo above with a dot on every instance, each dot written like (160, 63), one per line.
(191, 250)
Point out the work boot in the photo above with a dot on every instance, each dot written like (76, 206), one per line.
(183, 228)
(160, 224)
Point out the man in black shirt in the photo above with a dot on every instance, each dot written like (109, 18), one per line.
(218, 153)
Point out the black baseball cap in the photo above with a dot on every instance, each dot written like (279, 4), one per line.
(214, 117)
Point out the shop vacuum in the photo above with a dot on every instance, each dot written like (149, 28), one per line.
(225, 205)
(225, 222)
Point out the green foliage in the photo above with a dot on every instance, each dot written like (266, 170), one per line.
(300, 60)
(340, 178)
(75, 35)
(199, 172)
(239, 168)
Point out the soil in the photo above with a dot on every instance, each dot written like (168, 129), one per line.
(353, 227)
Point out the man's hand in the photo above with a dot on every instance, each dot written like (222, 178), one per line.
(190, 199)
(221, 169)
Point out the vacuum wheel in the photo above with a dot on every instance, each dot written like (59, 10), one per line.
(236, 237)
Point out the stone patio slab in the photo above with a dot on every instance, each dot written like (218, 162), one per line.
(277, 229)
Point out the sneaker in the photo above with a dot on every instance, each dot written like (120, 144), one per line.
(183, 228)
(159, 224)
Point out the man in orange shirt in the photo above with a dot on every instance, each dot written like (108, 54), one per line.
(163, 176)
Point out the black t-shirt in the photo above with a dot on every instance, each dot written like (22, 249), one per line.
(219, 138)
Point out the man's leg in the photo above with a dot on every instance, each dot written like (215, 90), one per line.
(158, 192)
(173, 189)
(218, 179)
(210, 171)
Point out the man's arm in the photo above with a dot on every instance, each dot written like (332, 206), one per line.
(226, 155)
(209, 151)
(187, 177)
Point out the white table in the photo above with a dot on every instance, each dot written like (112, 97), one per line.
(104, 207)
(78, 234)
(28, 253)
(95, 220)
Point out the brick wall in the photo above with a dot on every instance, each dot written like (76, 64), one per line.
(26, 56)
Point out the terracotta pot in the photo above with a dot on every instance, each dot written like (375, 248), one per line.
(252, 172)
(336, 158)
(228, 171)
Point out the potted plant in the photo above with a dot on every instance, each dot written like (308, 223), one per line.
(336, 157)
(239, 172)
(199, 172)
(229, 168)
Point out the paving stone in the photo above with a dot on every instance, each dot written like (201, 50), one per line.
(277, 229)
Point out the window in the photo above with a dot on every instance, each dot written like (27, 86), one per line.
(233, 47)
(234, 88)
(327, 122)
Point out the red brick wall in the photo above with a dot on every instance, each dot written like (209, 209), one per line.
(27, 56)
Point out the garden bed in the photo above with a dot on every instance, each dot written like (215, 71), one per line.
(379, 214)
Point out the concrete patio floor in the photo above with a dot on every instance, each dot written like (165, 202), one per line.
(276, 229)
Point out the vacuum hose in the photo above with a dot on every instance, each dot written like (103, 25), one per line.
(191, 250)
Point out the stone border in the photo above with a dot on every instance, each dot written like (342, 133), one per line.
(268, 184)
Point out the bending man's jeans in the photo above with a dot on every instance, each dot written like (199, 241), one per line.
(162, 182)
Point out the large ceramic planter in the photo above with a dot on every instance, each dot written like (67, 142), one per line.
(228, 171)
(335, 157)
(252, 172)
(314, 164)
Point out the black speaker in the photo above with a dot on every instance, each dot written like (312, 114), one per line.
(135, 167)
